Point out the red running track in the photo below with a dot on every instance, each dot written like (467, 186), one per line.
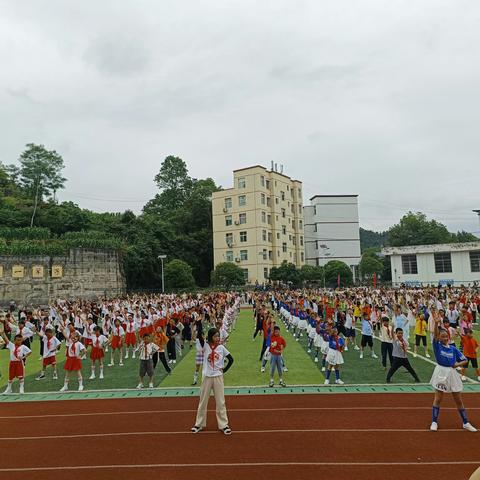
(357, 436)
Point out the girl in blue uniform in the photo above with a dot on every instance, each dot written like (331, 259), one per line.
(445, 378)
(334, 357)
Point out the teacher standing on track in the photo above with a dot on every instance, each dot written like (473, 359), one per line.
(214, 356)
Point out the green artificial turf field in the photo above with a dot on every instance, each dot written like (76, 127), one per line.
(245, 372)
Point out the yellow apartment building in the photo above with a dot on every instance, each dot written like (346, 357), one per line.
(259, 222)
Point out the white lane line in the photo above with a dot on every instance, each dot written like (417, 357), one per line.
(187, 432)
(243, 464)
(279, 409)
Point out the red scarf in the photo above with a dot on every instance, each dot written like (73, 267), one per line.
(74, 349)
(211, 356)
(15, 352)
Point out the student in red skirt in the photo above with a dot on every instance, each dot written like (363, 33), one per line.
(88, 331)
(97, 353)
(51, 345)
(130, 335)
(116, 342)
(75, 353)
(18, 353)
(145, 325)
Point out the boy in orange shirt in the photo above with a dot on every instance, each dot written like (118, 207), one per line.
(470, 348)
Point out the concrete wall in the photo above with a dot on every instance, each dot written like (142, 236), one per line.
(332, 230)
(84, 274)
(461, 270)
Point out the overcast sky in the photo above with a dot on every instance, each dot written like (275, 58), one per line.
(379, 98)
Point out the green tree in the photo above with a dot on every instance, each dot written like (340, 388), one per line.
(311, 273)
(286, 273)
(369, 239)
(415, 229)
(178, 275)
(333, 269)
(40, 173)
(227, 275)
(369, 265)
(464, 237)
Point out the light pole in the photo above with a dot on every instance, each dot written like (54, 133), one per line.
(162, 258)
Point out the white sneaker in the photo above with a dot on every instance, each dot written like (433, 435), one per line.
(309, 350)
(126, 356)
(361, 355)
(174, 362)
(346, 349)
(356, 347)
(64, 388)
(434, 427)
(285, 369)
(316, 360)
(55, 376)
(262, 370)
(139, 386)
(92, 376)
(427, 355)
(414, 355)
(297, 339)
(133, 355)
(150, 385)
(463, 378)
(101, 375)
(120, 364)
(374, 356)
(326, 382)
(7, 390)
(339, 382)
(80, 388)
(323, 369)
(111, 364)
(469, 427)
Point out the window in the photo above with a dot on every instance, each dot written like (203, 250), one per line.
(267, 184)
(315, 228)
(242, 200)
(265, 272)
(243, 254)
(301, 241)
(284, 229)
(282, 195)
(475, 261)
(314, 210)
(284, 247)
(241, 182)
(283, 213)
(291, 255)
(299, 194)
(290, 237)
(228, 220)
(229, 256)
(264, 217)
(270, 255)
(278, 236)
(288, 188)
(264, 253)
(228, 203)
(270, 237)
(264, 235)
(316, 244)
(300, 224)
(262, 198)
(243, 236)
(245, 274)
(268, 202)
(229, 238)
(242, 218)
(294, 257)
(409, 264)
(302, 256)
(262, 180)
(300, 209)
(292, 209)
(276, 200)
(443, 262)
(294, 241)
(269, 219)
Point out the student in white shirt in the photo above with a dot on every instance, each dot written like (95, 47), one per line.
(18, 353)
(214, 367)
(146, 350)
(51, 345)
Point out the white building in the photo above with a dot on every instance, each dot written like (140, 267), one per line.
(332, 230)
(450, 263)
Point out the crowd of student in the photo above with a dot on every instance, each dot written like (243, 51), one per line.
(154, 328)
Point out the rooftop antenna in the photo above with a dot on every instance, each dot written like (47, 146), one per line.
(272, 166)
(276, 167)
(281, 168)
